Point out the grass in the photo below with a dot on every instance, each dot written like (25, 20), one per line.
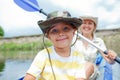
(26, 46)
(22, 50)
(24, 55)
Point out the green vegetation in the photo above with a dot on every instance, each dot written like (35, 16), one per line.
(21, 50)
(28, 46)
(22, 55)
(1, 32)
(2, 65)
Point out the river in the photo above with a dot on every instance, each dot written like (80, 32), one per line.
(14, 69)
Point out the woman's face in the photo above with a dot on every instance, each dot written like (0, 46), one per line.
(87, 27)
(61, 35)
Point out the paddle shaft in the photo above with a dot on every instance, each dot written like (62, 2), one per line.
(41, 11)
(117, 59)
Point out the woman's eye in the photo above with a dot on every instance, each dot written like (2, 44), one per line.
(90, 23)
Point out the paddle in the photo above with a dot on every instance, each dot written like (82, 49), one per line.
(29, 5)
(32, 5)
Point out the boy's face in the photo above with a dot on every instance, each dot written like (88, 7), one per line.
(61, 35)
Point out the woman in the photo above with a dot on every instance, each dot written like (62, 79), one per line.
(87, 29)
(60, 61)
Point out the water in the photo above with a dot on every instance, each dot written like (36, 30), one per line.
(14, 69)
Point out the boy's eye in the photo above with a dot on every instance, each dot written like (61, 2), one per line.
(54, 31)
(66, 29)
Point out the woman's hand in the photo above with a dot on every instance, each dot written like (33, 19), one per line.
(111, 56)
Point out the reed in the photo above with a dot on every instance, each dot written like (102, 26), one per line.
(22, 49)
(112, 42)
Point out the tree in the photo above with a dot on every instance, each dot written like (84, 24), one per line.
(1, 32)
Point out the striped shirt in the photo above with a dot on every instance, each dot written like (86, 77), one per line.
(65, 68)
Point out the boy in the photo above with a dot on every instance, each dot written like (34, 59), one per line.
(60, 61)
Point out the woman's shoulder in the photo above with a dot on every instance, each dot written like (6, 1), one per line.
(98, 39)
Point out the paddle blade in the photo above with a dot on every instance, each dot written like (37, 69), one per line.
(28, 5)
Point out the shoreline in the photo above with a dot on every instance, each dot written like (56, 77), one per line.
(110, 37)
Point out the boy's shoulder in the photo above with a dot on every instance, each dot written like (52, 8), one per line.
(76, 52)
(46, 51)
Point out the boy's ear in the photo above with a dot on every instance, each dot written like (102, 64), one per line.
(74, 31)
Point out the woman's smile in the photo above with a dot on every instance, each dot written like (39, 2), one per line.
(86, 28)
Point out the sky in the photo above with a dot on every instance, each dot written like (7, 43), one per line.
(17, 22)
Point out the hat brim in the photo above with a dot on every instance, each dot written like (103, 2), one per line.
(45, 25)
(94, 19)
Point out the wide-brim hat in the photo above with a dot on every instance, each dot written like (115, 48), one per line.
(56, 17)
(94, 19)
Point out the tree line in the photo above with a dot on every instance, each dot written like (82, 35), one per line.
(1, 32)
